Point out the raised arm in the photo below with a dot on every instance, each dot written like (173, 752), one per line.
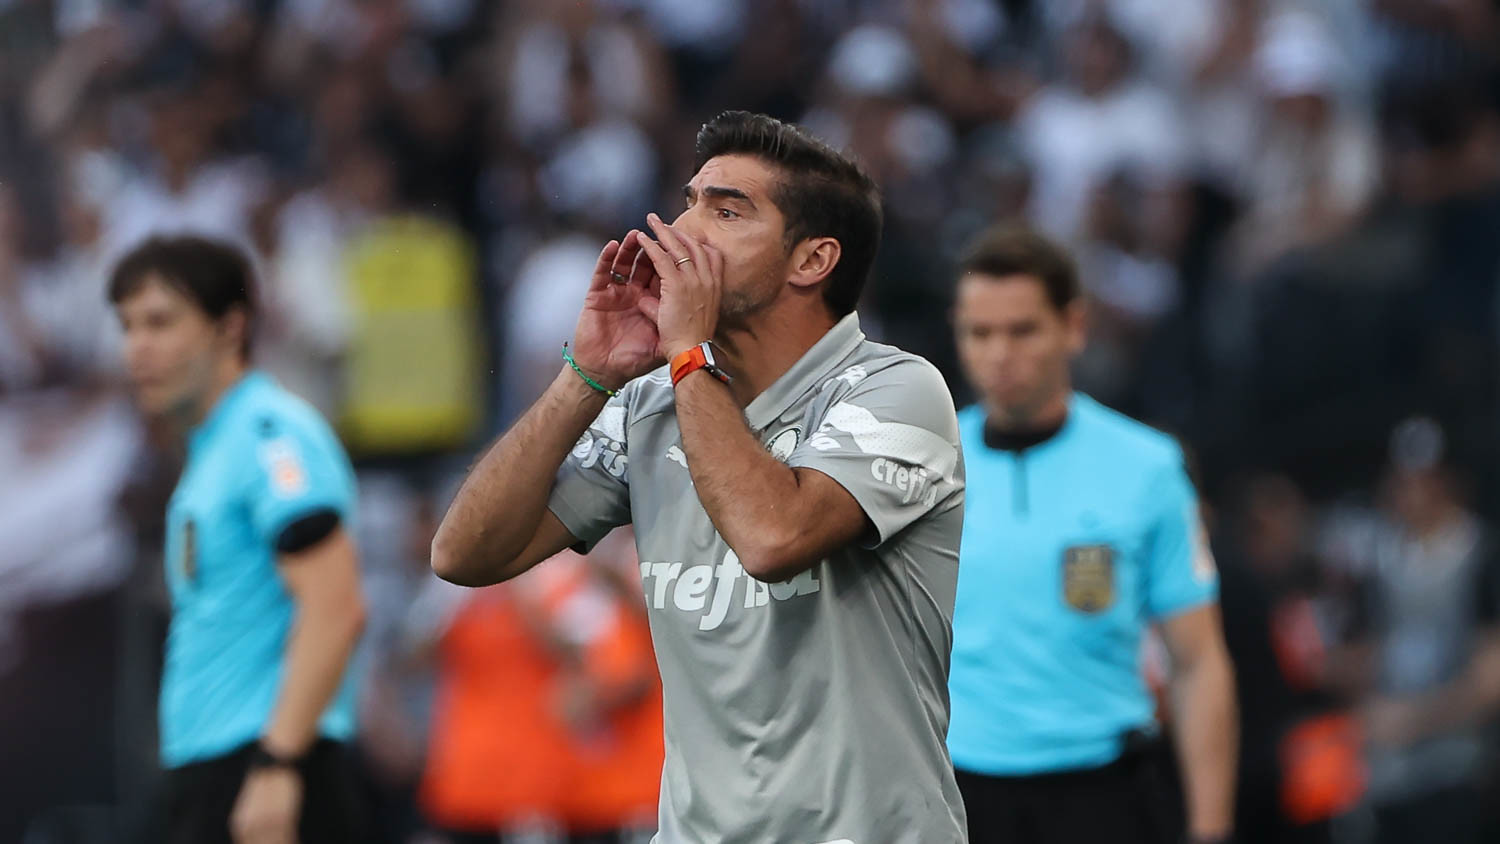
(499, 524)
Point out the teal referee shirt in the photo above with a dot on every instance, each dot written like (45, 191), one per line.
(1070, 549)
(260, 461)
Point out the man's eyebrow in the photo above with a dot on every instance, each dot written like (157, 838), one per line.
(728, 193)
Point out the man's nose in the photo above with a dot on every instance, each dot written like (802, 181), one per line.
(137, 348)
(689, 224)
(998, 348)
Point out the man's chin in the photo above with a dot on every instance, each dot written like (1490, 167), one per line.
(151, 402)
(1012, 404)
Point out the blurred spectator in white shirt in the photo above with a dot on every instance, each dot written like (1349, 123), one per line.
(187, 188)
(1316, 163)
(1100, 118)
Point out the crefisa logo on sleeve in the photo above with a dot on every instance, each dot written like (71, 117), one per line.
(604, 443)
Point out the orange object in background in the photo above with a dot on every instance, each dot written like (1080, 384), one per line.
(1323, 772)
(616, 763)
(549, 707)
(497, 755)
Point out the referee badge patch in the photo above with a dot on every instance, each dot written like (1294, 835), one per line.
(283, 465)
(1089, 577)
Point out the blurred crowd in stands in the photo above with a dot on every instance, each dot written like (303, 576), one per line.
(1287, 215)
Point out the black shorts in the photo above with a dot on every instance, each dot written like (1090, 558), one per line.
(201, 796)
(1131, 801)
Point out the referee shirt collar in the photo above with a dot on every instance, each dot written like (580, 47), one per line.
(840, 342)
(224, 407)
(1016, 442)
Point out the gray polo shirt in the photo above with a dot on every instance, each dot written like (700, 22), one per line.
(810, 711)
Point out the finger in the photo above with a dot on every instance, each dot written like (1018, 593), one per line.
(624, 258)
(641, 270)
(663, 262)
(603, 267)
(651, 307)
(700, 261)
(669, 239)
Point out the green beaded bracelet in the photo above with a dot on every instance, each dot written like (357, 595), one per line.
(568, 356)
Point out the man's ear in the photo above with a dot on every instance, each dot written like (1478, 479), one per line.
(1076, 320)
(813, 259)
(235, 326)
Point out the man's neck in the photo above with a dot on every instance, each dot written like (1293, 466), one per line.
(1443, 518)
(225, 377)
(1015, 429)
(762, 351)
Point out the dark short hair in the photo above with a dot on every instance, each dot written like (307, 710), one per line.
(215, 275)
(1014, 250)
(821, 193)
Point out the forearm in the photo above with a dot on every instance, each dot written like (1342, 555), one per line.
(1206, 732)
(319, 647)
(750, 495)
(1468, 700)
(501, 502)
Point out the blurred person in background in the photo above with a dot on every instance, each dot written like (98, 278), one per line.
(308, 309)
(1301, 761)
(67, 445)
(257, 694)
(1083, 530)
(1315, 166)
(189, 184)
(872, 104)
(1101, 116)
(1128, 258)
(397, 518)
(24, 356)
(565, 66)
(1423, 662)
(410, 374)
(548, 714)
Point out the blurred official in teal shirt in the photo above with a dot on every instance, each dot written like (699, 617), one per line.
(257, 696)
(1081, 531)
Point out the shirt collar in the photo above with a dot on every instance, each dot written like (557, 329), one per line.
(1016, 443)
(814, 365)
(223, 407)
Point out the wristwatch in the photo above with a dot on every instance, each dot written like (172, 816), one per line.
(261, 758)
(698, 357)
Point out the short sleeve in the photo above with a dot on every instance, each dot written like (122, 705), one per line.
(1180, 570)
(298, 470)
(591, 492)
(892, 443)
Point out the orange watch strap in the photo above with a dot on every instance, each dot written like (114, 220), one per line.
(686, 362)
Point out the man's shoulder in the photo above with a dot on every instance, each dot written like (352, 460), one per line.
(883, 365)
(1128, 440)
(884, 384)
(272, 411)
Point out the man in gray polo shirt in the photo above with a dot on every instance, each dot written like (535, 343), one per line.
(796, 493)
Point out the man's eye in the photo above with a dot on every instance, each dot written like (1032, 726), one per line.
(726, 214)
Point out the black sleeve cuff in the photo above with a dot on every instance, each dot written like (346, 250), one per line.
(307, 531)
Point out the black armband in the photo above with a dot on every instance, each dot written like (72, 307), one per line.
(307, 531)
